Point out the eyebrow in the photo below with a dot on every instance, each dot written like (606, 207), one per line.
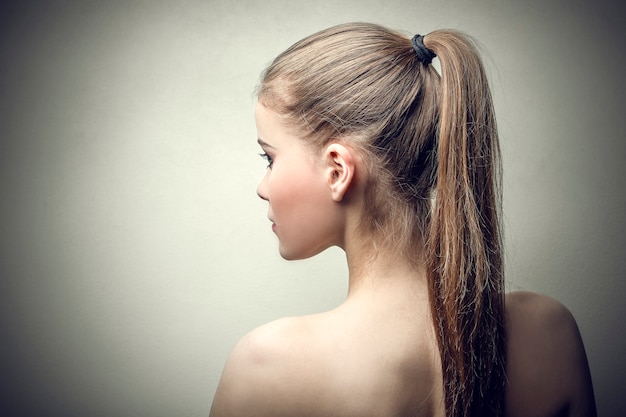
(264, 144)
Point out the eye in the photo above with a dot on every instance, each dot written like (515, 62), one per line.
(267, 158)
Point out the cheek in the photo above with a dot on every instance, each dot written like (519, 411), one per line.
(293, 193)
(304, 213)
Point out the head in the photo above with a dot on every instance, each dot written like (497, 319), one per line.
(310, 193)
(363, 86)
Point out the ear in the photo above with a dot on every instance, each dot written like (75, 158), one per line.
(340, 170)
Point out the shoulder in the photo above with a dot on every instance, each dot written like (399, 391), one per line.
(262, 374)
(532, 312)
(546, 365)
(542, 324)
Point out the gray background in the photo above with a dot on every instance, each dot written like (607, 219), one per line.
(134, 252)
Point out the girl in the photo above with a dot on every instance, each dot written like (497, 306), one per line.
(371, 150)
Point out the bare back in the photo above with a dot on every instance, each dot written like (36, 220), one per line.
(358, 361)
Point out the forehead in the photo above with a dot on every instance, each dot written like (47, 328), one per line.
(271, 126)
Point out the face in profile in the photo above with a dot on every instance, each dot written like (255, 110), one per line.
(304, 216)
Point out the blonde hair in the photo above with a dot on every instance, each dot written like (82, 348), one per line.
(432, 159)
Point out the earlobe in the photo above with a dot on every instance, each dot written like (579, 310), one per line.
(340, 171)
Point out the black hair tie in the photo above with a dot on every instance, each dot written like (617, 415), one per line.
(424, 54)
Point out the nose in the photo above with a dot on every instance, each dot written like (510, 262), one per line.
(262, 189)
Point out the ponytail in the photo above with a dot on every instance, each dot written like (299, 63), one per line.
(464, 247)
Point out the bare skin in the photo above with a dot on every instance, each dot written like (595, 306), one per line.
(375, 355)
(547, 366)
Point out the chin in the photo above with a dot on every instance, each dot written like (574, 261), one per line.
(296, 255)
(290, 256)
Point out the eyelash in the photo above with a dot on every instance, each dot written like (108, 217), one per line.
(267, 158)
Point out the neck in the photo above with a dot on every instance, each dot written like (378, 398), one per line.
(378, 272)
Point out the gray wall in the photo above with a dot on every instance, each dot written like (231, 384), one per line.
(134, 252)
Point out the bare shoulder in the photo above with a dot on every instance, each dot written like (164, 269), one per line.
(331, 364)
(259, 376)
(548, 373)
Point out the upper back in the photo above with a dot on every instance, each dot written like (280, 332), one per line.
(344, 364)
(332, 364)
